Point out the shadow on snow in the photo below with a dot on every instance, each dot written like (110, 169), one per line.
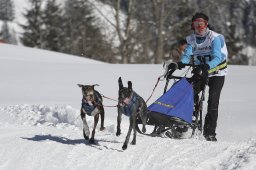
(67, 141)
(58, 139)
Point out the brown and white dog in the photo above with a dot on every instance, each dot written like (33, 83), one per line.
(91, 106)
(132, 105)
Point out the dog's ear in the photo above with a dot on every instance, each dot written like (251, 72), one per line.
(120, 83)
(130, 85)
(95, 85)
(80, 85)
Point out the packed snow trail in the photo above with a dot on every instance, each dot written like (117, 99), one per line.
(27, 142)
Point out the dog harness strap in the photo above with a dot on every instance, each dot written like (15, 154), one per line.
(133, 98)
(88, 108)
(127, 108)
(98, 97)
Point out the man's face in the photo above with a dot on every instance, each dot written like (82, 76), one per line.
(200, 26)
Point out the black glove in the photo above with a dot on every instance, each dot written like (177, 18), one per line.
(180, 65)
(205, 68)
(172, 66)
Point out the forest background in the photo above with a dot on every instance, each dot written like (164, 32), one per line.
(125, 31)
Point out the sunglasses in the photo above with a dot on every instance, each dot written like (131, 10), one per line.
(200, 23)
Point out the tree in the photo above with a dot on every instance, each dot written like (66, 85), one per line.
(82, 36)
(160, 24)
(249, 22)
(7, 35)
(6, 10)
(52, 31)
(235, 34)
(7, 15)
(124, 31)
(32, 35)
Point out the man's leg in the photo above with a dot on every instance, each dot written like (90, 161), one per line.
(215, 86)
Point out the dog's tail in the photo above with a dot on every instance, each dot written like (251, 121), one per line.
(120, 83)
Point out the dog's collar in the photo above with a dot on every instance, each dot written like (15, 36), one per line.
(133, 101)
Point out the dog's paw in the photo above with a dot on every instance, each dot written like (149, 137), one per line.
(144, 129)
(133, 142)
(85, 137)
(91, 141)
(118, 132)
(124, 147)
(102, 128)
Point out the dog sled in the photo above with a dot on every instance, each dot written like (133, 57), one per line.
(180, 108)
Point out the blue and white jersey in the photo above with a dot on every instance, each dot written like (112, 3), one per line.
(210, 49)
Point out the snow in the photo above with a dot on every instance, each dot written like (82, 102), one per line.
(41, 128)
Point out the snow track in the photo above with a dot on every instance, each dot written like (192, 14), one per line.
(27, 142)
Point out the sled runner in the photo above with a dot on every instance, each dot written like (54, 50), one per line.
(179, 108)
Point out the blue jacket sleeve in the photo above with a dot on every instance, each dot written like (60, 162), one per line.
(216, 52)
(187, 54)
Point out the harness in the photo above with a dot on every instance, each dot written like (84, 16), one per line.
(89, 108)
(127, 109)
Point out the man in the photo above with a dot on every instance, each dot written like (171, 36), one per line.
(177, 52)
(208, 49)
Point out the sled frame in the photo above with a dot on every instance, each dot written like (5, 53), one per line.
(168, 125)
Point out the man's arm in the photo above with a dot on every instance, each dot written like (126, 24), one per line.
(187, 54)
(216, 53)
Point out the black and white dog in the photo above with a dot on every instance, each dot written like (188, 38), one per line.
(91, 106)
(132, 105)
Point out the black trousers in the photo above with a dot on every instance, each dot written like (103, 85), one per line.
(215, 86)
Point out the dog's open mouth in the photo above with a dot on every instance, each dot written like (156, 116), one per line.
(127, 100)
(89, 98)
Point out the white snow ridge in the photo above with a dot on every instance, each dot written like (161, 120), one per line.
(43, 115)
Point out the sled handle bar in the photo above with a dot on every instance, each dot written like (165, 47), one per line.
(174, 77)
(192, 65)
(169, 73)
(178, 77)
